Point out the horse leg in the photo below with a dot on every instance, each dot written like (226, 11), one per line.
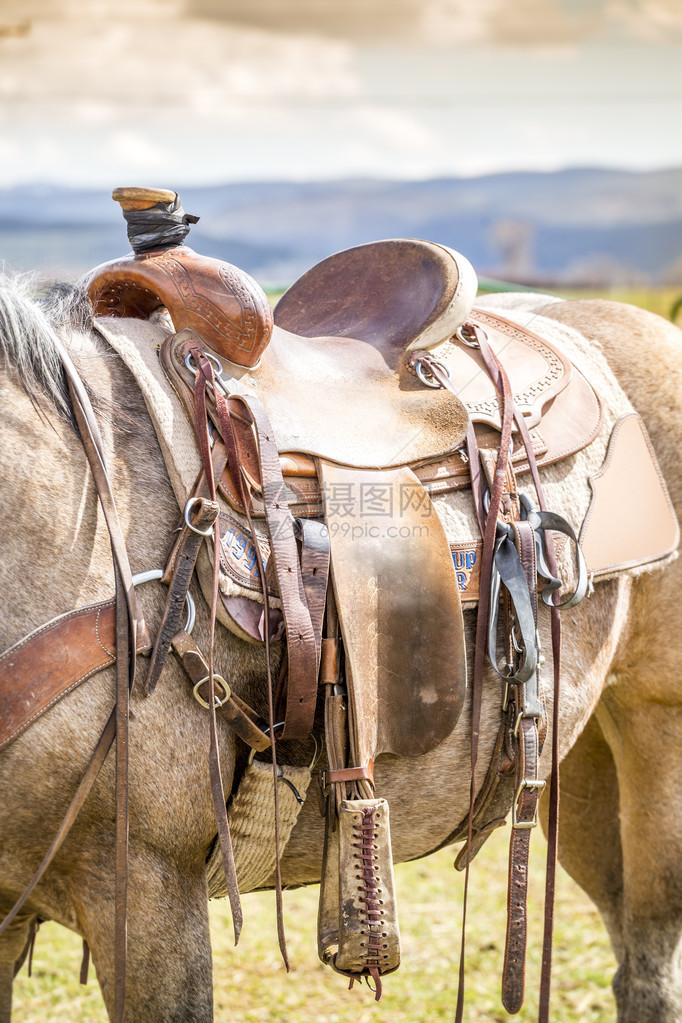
(14, 945)
(169, 969)
(589, 837)
(640, 715)
(646, 741)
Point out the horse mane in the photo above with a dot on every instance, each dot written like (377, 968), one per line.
(31, 322)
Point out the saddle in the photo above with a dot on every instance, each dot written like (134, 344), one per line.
(319, 441)
(383, 387)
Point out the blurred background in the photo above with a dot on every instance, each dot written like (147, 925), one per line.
(540, 138)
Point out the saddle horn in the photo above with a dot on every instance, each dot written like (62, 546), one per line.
(222, 304)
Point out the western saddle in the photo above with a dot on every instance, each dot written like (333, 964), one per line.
(323, 433)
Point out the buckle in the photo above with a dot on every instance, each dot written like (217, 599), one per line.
(527, 783)
(218, 701)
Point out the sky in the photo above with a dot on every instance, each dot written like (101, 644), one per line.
(212, 91)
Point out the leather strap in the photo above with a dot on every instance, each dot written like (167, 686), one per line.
(346, 774)
(198, 523)
(126, 615)
(527, 711)
(241, 718)
(203, 378)
(53, 660)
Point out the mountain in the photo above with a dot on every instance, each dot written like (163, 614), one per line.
(580, 225)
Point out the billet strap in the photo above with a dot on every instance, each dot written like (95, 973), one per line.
(524, 811)
(528, 709)
(489, 533)
(203, 377)
(496, 792)
(302, 655)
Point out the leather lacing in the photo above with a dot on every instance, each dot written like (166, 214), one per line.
(375, 948)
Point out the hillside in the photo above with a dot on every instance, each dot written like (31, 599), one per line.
(573, 226)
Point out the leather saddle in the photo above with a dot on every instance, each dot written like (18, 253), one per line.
(334, 371)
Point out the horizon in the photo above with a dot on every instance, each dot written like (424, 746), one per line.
(355, 178)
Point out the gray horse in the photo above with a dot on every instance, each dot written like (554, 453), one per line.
(621, 836)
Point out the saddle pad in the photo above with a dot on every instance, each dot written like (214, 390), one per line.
(399, 611)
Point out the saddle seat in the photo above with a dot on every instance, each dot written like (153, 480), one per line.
(396, 295)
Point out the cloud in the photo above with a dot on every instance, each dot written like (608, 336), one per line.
(136, 150)
(657, 21)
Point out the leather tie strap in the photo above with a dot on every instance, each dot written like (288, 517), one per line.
(241, 718)
(198, 523)
(527, 709)
(347, 774)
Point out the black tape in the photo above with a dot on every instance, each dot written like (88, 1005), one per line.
(163, 226)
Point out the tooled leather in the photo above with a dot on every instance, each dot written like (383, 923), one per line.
(514, 970)
(222, 303)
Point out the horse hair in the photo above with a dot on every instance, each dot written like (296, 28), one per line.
(30, 323)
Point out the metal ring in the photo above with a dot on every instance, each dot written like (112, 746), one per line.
(217, 701)
(421, 370)
(158, 573)
(193, 368)
(467, 341)
(190, 504)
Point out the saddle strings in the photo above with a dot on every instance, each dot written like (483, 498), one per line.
(509, 413)
(203, 377)
(230, 442)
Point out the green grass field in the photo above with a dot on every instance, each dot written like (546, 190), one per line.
(251, 985)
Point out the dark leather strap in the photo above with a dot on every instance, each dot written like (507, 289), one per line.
(182, 562)
(203, 378)
(126, 643)
(241, 718)
(525, 817)
(527, 710)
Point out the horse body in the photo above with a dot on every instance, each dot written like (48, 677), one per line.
(621, 835)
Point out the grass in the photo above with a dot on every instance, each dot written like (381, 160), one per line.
(251, 986)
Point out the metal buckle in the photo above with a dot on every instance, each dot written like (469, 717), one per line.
(527, 783)
(217, 700)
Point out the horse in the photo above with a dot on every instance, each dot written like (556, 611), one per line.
(621, 704)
